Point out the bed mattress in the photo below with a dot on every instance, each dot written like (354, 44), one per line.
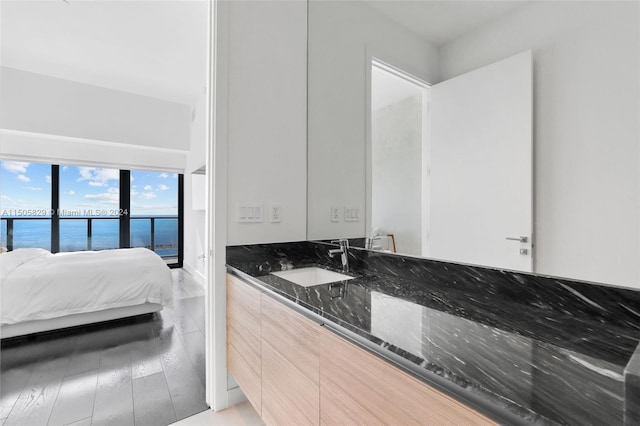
(37, 285)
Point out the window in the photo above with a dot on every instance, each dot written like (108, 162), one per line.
(89, 203)
(71, 208)
(154, 212)
(25, 204)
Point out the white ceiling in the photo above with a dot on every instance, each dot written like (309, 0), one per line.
(157, 48)
(440, 22)
(149, 47)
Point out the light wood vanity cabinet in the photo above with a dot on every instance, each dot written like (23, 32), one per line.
(244, 341)
(305, 374)
(272, 354)
(357, 387)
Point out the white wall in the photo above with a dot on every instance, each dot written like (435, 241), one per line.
(259, 155)
(17, 145)
(194, 220)
(343, 37)
(586, 130)
(267, 149)
(41, 104)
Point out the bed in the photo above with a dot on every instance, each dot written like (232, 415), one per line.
(41, 291)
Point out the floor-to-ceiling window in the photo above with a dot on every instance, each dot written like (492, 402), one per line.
(71, 208)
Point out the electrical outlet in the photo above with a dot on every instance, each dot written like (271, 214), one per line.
(276, 213)
(335, 214)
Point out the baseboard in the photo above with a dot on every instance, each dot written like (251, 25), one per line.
(236, 396)
(194, 273)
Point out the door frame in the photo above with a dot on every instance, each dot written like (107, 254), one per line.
(384, 62)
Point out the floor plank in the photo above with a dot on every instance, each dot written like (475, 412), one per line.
(144, 360)
(84, 358)
(167, 341)
(182, 322)
(83, 422)
(12, 382)
(188, 286)
(36, 401)
(187, 392)
(194, 346)
(194, 307)
(152, 402)
(75, 399)
(114, 397)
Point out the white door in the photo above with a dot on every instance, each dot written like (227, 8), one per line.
(480, 166)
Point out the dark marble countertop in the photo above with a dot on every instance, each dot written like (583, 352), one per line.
(521, 348)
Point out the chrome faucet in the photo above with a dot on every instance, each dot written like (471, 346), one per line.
(343, 251)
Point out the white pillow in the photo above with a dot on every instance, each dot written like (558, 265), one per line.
(11, 260)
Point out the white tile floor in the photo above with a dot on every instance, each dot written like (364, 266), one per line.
(239, 415)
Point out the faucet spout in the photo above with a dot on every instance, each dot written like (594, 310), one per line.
(343, 251)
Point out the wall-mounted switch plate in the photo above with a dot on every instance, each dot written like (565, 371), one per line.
(257, 212)
(351, 214)
(249, 213)
(241, 214)
(275, 213)
(335, 214)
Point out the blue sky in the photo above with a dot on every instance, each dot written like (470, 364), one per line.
(28, 185)
(24, 186)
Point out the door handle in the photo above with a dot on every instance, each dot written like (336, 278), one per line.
(521, 239)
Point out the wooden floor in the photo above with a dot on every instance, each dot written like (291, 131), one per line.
(147, 371)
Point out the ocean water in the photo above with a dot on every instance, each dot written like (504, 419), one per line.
(104, 234)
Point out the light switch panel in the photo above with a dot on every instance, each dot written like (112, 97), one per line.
(257, 213)
(351, 214)
(249, 213)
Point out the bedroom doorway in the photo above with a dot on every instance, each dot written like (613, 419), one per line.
(71, 105)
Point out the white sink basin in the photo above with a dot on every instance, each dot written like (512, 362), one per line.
(308, 277)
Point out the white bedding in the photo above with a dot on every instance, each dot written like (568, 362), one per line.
(39, 285)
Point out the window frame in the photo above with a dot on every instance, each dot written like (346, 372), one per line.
(124, 217)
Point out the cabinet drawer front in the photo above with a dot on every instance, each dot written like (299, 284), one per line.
(243, 302)
(250, 382)
(243, 321)
(290, 366)
(357, 387)
(248, 349)
(293, 335)
(288, 396)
